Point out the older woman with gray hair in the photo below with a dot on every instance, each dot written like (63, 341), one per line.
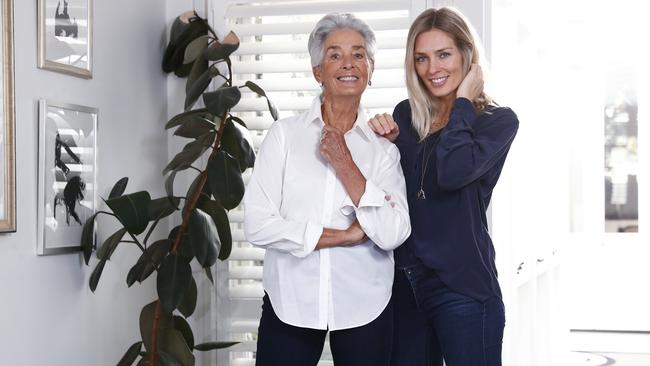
(327, 202)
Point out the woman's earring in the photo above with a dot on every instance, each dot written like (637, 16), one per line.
(322, 84)
(369, 82)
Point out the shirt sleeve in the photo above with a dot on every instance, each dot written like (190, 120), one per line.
(466, 151)
(383, 211)
(263, 224)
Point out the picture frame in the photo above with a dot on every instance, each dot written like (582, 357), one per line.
(67, 167)
(65, 33)
(7, 128)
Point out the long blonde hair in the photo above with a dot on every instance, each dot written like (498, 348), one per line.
(424, 106)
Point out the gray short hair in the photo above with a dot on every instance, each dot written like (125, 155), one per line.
(335, 21)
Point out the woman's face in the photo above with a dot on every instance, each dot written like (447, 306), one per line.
(438, 63)
(345, 68)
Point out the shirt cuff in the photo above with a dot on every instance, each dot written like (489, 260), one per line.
(372, 197)
(465, 108)
(312, 234)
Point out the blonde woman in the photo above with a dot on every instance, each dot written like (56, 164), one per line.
(453, 143)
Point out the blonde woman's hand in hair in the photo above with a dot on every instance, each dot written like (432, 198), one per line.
(384, 125)
(472, 85)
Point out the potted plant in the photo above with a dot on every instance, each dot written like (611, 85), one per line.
(195, 52)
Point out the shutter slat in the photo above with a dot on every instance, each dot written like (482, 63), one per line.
(379, 80)
(300, 47)
(303, 103)
(247, 291)
(291, 66)
(312, 7)
(246, 273)
(241, 254)
(244, 30)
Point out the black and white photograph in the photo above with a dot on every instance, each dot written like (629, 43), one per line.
(67, 171)
(65, 36)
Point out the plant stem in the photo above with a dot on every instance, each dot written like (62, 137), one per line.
(199, 188)
(154, 334)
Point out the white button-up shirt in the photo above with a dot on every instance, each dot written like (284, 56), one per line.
(294, 193)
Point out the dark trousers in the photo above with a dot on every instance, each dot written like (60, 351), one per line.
(433, 322)
(281, 344)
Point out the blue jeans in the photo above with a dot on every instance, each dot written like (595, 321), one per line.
(281, 344)
(433, 323)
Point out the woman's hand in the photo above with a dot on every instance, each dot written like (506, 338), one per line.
(472, 86)
(349, 237)
(384, 125)
(334, 148)
(355, 233)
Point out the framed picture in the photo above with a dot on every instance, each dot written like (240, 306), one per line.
(65, 36)
(7, 148)
(67, 167)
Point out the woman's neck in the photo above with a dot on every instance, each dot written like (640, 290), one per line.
(442, 117)
(340, 113)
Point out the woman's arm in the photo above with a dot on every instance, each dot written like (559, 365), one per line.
(263, 223)
(466, 151)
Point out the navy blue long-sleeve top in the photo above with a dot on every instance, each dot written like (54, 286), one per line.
(462, 163)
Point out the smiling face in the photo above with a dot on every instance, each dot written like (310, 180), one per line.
(438, 63)
(345, 68)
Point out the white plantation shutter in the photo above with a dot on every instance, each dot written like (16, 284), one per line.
(273, 54)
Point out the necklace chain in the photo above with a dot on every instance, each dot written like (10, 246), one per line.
(425, 164)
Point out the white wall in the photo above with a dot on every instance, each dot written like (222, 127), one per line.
(48, 315)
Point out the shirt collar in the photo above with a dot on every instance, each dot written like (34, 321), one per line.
(360, 125)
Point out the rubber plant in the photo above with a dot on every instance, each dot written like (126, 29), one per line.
(195, 52)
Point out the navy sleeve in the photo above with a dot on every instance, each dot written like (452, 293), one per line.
(467, 150)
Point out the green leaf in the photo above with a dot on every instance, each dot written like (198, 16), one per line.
(167, 360)
(132, 210)
(204, 237)
(171, 342)
(163, 207)
(218, 52)
(221, 100)
(174, 275)
(188, 304)
(97, 273)
(259, 91)
(169, 185)
(209, 346)
(220, 218)
(195, 48)
(118, 188)
(197, 81)
(131, 354)
(194, 128)
(88, 238)
(181, 325)
(238, 120)
(181, 118)
(110, 244)
(208, 274)
(190, 153)
(236, 140)
(224, 177)
(134, 273)
(147, 316)
(144, 267)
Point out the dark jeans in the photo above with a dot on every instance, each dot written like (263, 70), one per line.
(281, 344)
(433, 322)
